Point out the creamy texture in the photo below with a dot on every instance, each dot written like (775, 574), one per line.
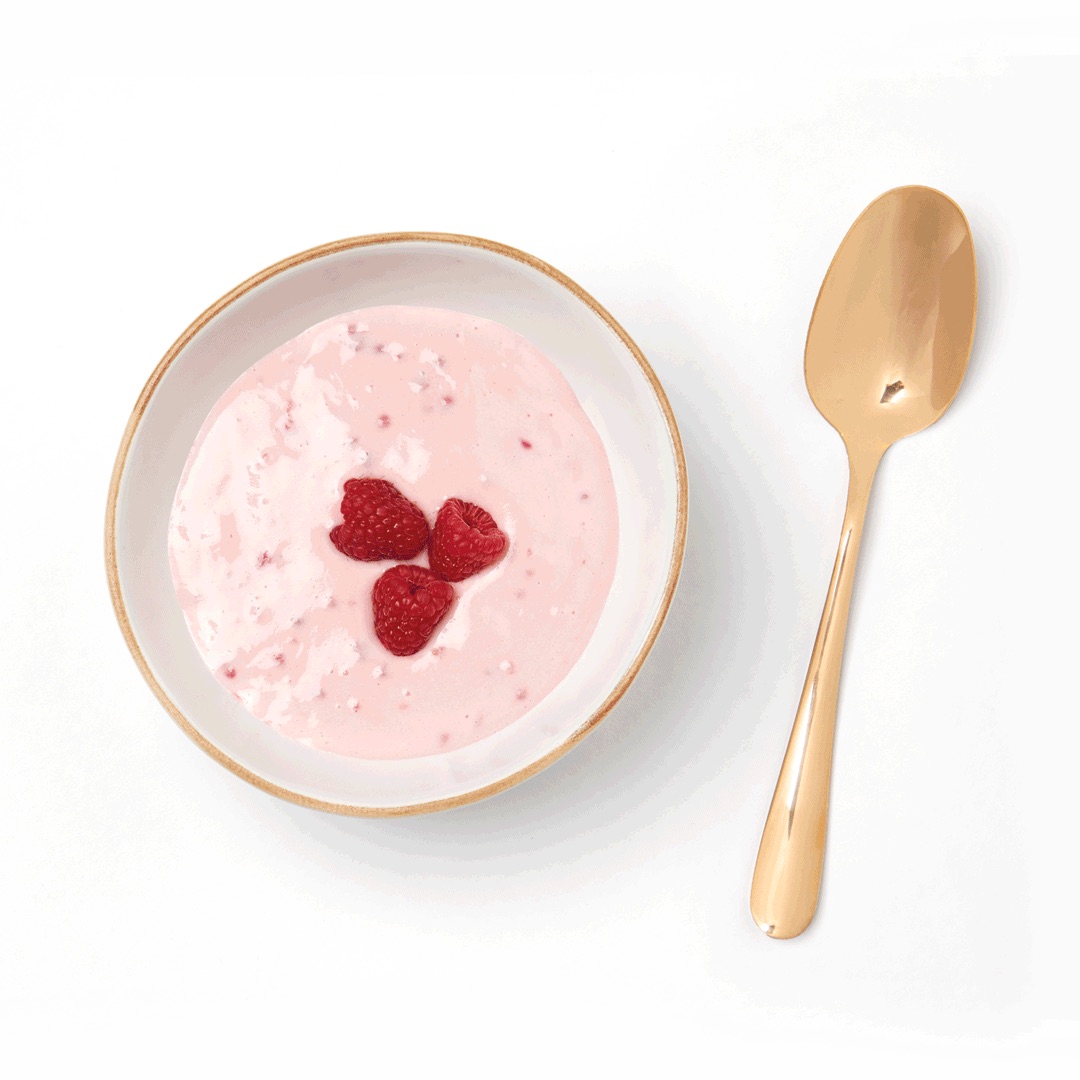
(440, 404)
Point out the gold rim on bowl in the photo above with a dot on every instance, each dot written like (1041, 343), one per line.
(148, 391)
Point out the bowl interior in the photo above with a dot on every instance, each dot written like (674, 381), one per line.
(616, 393)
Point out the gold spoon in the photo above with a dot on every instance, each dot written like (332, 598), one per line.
(886, 352)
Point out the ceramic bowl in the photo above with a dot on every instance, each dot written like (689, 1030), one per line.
(616, 387)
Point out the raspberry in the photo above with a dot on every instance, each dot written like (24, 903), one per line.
(380, 523)
(408, 602)
(465, 540)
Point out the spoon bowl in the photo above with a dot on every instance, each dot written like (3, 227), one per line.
(891, 332)
(886, 352)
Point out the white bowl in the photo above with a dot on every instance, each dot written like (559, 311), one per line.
(618, 391)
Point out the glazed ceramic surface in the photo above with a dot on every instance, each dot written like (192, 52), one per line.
(617, 390)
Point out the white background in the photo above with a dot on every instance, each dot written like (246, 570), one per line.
(157, 915)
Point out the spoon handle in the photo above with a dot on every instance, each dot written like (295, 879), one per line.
(787, 877)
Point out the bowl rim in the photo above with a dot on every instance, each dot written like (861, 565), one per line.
(150, 388)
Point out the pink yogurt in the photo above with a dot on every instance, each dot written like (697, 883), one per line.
(441, 404)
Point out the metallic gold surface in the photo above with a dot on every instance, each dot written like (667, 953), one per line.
(888, 345)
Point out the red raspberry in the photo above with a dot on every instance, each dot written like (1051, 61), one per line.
(465, 540)
(380, 523)
(408, 603)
